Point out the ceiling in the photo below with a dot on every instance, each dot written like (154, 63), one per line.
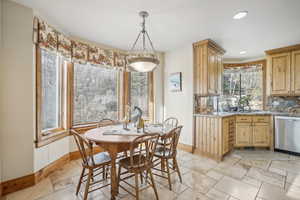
(176, 23)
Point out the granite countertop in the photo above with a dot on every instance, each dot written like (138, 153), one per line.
(228, 114)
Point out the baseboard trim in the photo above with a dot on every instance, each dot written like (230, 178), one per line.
(17, 184)
(185, 147)
(0, 189)
(32, 179)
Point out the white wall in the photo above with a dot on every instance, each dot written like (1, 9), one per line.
(17, 91)
(158, 86)
(45, 155)
(180, 104)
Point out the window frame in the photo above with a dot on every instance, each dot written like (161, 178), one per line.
(127, 91)
(249, 64)
(44, 137)
(71, 101)
(66, 98)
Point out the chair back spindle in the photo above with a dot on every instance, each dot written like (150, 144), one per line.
(171, 121)
(85, 148)
(170, 141)
(142, 150)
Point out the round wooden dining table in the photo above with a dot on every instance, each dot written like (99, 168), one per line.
(114, 139)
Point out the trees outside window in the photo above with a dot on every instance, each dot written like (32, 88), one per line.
(139, 91)
(95, 95)
(243, 83)
(50, 89)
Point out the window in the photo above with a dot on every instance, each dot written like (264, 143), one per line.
(95, 94)
(50, 85)
(139, 91)
(243, 84)
(72, 95)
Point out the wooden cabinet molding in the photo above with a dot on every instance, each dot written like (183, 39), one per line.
(208, 68)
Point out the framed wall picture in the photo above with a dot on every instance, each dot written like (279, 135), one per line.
(175, 82)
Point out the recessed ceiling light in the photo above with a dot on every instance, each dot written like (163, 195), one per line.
(240, 15)
(243, 52)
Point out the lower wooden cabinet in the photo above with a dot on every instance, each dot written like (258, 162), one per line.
(215, 136)
(253, 133)
(261, 134)
(243, 135)
(228, 130)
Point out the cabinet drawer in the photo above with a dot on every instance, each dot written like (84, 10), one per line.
(261, 119)
(240, 119)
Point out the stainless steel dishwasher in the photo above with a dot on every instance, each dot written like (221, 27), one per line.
(287, 134)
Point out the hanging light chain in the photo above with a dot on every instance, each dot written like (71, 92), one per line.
(144, 35)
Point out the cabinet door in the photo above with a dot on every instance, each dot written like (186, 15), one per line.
(243, 134)
(261, 132)
(280, 74)
(212, 72)
(295, 72)
(225, 135)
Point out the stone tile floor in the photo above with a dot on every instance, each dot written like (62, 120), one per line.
(243, 175)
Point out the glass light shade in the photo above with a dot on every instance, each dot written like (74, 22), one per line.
(143, 64)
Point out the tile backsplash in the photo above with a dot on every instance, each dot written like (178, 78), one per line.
(283, 104)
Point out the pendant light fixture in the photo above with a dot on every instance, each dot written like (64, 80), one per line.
(142, 60)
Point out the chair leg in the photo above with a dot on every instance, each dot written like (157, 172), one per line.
(153, 183)
(162, 164)
(87, 184)
(169, 175)
(104, 172)
(177, 169)
(136, 186)
(79, 182)
(141, 177)
(119, 177)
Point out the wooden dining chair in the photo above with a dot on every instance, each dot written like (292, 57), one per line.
(168, 151)
(171, 121)
(105, 122)
(95, 164)
(139, 163)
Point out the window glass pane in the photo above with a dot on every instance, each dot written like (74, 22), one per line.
(252, 86)
(241, 84)
(95, 94)
(50, 90)
(139, 91)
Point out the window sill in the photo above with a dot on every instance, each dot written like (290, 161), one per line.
(52, 137)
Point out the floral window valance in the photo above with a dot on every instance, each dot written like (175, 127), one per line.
(47, 37)
(101, 56)
(79, 52)
(64, 45)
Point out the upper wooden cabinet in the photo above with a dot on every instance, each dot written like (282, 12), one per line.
(283, 71)
(208, 68)
(295, 71)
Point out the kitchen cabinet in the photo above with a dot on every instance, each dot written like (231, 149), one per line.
(228, 130)
(295, 71)
(253, 131)
(208, 68)
(243, 134)
(283, 71)
(280, 73)
(213, 135)
(261, 132)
